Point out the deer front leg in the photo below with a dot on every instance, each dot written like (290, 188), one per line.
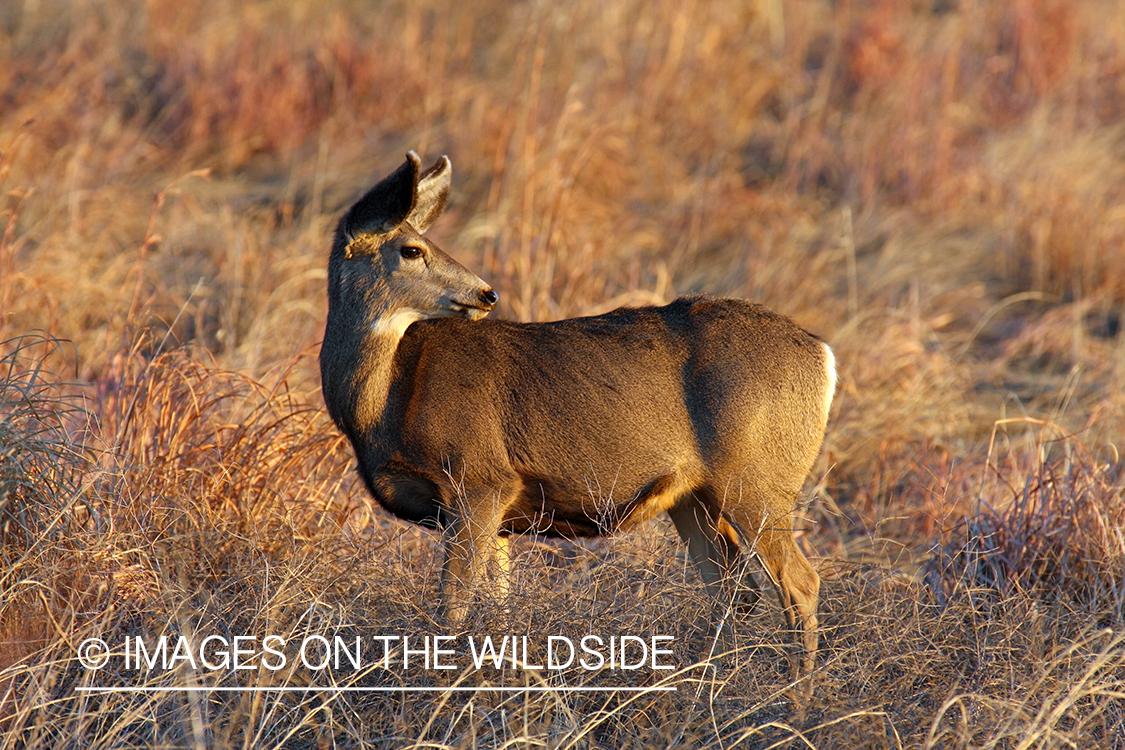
(477, 558)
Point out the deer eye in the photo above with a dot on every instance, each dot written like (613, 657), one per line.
(411, 251)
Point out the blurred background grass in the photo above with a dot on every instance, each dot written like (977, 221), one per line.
(934, 187)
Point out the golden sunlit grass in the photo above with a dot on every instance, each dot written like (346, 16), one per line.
(934, 187)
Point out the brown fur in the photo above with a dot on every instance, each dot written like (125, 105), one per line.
(712, 410)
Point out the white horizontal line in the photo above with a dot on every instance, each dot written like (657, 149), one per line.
(359, 689)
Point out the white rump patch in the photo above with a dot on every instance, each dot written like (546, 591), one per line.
(830, 370)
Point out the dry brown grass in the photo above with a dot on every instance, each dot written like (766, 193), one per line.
(935, 187)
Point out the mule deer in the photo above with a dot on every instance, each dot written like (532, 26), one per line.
(712, 410)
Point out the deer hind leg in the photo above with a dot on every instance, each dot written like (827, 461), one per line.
(798, 587)
(746, 594)
(713, 548)
(477, 557)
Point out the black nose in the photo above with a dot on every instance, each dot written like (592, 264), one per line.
(489, 297)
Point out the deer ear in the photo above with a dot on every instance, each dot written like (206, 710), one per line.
(431, 195)
(386, 205)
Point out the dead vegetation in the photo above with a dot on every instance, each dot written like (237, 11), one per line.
(934, 187)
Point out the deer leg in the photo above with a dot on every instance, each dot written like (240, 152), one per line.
(797, 586)
(712, 552)
(714, 548)
(500, 573)
(746, 592)
(477, 558)
(708, 549)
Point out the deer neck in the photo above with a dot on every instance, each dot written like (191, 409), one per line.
(361, 370)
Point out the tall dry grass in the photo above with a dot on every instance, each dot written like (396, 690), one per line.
(933, 187)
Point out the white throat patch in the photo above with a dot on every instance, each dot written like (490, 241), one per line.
(394, 324)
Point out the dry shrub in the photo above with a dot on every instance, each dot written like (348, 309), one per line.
(962, 672)
(268, 83)
(216, 450)
(1063, 339)
(903, 415)
(1056, 536)
(42, 494)
(1058, 194)
(122, 499)
(42, 456)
